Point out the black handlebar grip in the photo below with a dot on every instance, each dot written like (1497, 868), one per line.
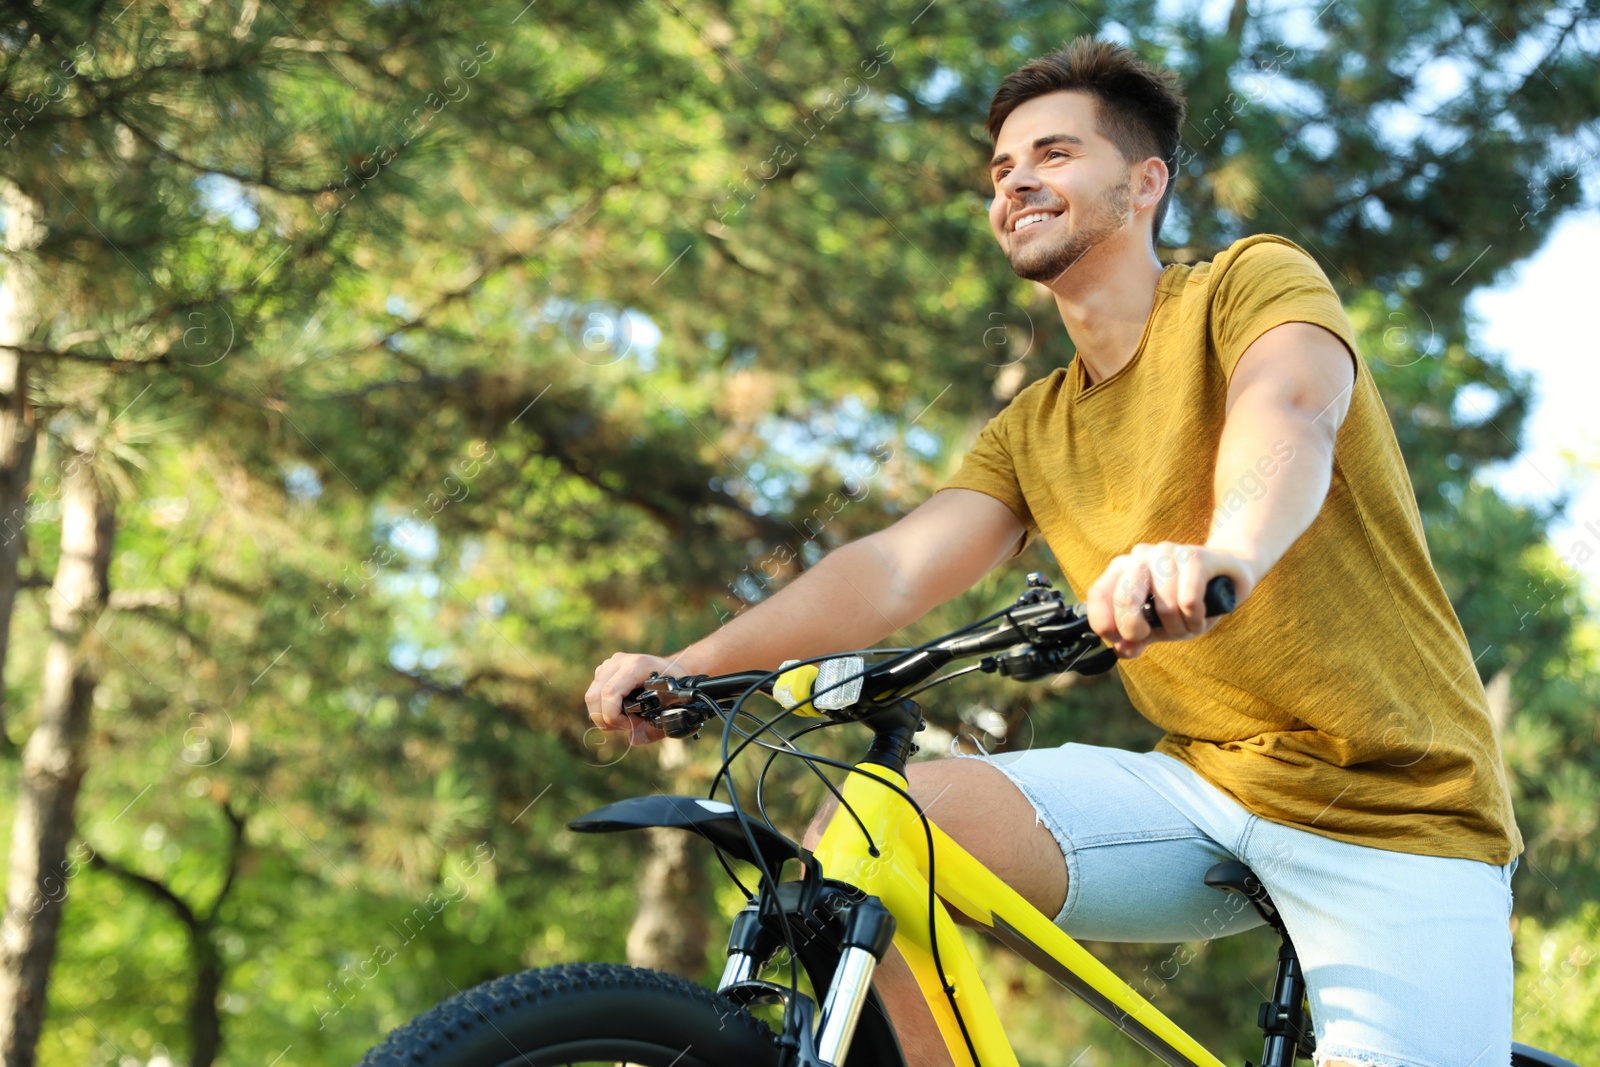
(1221, 598)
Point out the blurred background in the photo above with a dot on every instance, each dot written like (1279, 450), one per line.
(372, 369)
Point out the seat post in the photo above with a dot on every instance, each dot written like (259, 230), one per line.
(1283, 1019)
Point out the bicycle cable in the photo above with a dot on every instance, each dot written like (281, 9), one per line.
(778, 750)
(1043, 651)
(767, 879)
(933, 935)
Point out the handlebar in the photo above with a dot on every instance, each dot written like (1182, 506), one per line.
(1041, 634)
(1221, 598)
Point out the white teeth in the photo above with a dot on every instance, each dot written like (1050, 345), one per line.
(1029, 220)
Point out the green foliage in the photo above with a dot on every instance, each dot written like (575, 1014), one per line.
(372, 293)
(1558, 983)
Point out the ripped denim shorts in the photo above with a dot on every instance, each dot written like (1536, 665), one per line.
(1407, 957)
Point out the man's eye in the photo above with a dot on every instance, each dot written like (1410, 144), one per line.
(1055, 152)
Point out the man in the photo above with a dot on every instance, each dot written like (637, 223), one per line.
(1332, 732)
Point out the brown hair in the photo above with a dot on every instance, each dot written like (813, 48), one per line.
(1139, 108)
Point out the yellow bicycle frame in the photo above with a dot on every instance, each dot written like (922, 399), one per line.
(898, 876)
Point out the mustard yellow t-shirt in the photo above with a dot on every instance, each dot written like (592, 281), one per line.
(1341, 697)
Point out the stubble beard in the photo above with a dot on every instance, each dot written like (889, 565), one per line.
(1047, 263)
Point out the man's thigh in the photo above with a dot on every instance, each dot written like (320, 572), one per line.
(1407, 957)
(984, 813)
(1133, 859)
(1080, 834)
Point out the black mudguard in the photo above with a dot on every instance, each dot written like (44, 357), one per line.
(711, 819)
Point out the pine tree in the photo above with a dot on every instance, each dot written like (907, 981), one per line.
(418, 459)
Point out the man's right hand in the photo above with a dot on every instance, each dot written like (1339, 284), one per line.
(615, 679)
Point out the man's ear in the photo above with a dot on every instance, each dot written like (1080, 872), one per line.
(1149, 182)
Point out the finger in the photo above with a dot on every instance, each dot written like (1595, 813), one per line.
(616, 686)
(610, 687)
(1192, 592)
(1164, 570)
(1102, 613)
(1128, 600)
(642, 733)
(591, 696)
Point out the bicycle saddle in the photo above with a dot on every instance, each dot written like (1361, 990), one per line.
(1231, 876)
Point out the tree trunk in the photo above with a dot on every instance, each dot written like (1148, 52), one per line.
(53, 761)
(19, 319)
(669, 933)
(205, 1020)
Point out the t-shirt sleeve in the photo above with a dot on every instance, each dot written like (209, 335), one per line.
(988, 468)
(1270, 282)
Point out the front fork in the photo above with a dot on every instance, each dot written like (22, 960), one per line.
(744, 947)
(864, 929)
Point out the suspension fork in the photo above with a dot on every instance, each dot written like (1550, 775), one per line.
(840, 935)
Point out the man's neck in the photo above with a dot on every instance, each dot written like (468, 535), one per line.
(1105, 308)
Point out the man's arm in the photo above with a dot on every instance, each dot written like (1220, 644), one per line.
(858, 594)
(863, 591)
(1288, 396)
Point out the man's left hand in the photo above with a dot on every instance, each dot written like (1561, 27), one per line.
(1176, 576)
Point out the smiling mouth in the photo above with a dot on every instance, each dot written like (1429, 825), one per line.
(1033, 218)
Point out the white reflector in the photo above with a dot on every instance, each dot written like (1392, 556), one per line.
(838, 682)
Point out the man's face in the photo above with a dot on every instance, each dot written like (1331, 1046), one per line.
(1056, 175)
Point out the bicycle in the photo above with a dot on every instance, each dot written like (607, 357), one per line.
(881, 872)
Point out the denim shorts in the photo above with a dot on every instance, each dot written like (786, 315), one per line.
(1407, 958)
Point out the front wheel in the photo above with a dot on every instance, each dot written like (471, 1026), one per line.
(581, 1013)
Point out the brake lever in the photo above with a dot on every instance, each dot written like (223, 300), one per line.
(1062, 643)
(672, 705)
